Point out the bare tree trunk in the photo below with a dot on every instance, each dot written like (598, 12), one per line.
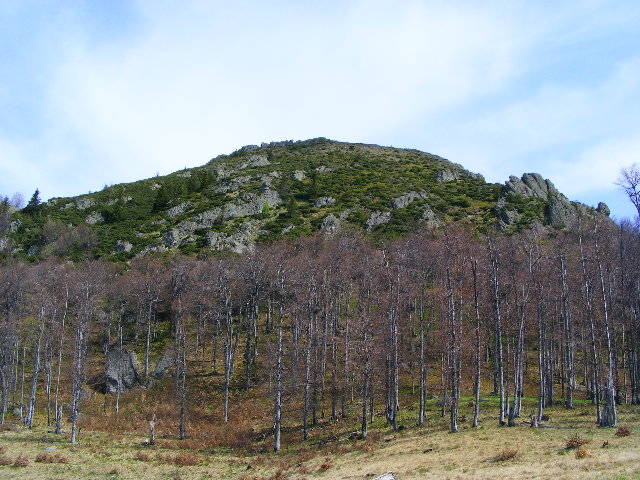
(476, 360)
(498, 333)
(34, 375)
(277, 414)
(609, 415)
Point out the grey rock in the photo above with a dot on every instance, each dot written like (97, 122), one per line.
(256, 161)
(531, 185)
(323, 169)
(123, 246)
(93, 218)
(286, 229)
(603, 208)
(447, 175)
(178, 209)
(430, 218)
(4, 243)
(83, 203)
(155, 186)
(299, 175)
(324, 202)
(238, 242)
(330, 224)
(507, 218)
(152, 249)
(165, 363)
(184, 174)
(560, 212)
(50, 449)
(377, 218)
(14, 225)
(176, 236)
(33, 250)
(120, 371)
(403, 201)
(233, 184)
(221, 171)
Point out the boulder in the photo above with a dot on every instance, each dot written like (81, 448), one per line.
(603, 209)
(256, 161)
(447, 175)
(165, 363)
(403, 201)
(324, 202)
(93, 218)
(430, 218)
(330, 224)
(120, 371)
(123, 246)
(299, 175)
(377, 218)
(242, 240)
(178, 209)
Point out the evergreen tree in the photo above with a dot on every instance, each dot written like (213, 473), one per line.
(35, 199)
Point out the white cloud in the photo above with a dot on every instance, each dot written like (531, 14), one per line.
(193, 80)
(205, 79)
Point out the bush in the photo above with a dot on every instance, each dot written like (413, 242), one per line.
(4, 461)
(506, 454)
(575, 441)
(21, 461)
(48, 458)
(582, 453)
(623, 431)
(143, 457)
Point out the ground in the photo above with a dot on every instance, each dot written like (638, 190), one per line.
(428, 452)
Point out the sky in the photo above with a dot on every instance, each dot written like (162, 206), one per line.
(94, 93)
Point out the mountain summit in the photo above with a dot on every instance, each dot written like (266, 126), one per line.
(284, 189)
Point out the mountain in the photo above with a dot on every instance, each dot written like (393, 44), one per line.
(284, 189)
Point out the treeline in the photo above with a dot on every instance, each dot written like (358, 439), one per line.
(343, 326)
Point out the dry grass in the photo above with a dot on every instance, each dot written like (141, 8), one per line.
(425, 453)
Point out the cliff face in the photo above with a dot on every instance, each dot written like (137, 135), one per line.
(284, 189)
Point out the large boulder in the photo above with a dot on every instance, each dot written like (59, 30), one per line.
(121, 371)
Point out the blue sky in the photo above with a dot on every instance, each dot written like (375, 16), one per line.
(94, 93)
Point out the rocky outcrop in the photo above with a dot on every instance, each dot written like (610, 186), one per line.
(377, 218)
(242, 240)
(559, 211)
(299, 175)
(603, 209)
(120, 371)
(248, 204)
(447, 175)
(403, 201)
(429, 218)
(93, 218)
(123, 246)
(178, 209)
(330, 224)
(165, 364)
(324, 202)
(256, 161)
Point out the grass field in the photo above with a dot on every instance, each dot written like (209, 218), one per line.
(428, 452)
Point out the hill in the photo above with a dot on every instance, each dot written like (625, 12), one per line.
(283, 189)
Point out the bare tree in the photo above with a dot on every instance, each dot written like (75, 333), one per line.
(629, 181)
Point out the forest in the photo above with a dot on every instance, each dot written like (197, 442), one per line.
(332, 327)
